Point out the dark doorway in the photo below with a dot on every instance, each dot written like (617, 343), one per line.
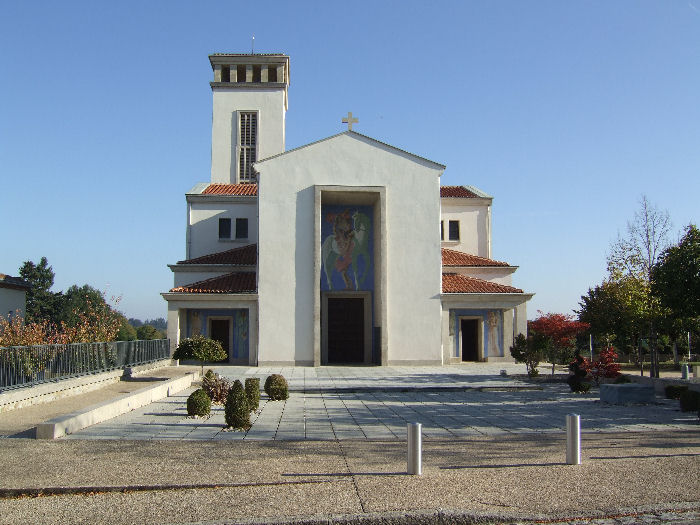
(346, 333)
(220, 332)
(470, 339)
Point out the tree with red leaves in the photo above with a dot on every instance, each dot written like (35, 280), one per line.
(605, 365)
(561, 331)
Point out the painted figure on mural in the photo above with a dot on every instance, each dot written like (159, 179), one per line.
(196, 324)
(343, 248)
(492, 322)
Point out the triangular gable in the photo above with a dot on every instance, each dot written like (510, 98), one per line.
(362, 138)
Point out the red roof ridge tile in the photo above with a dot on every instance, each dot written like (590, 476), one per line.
(456, 283)
(231, 189)
(235, 282)
(457, 191)
(242, 256)
(457, 258)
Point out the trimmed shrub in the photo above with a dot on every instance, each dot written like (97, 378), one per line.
(252, 392)
(236, 410)
(690, 401)
(198, 404)
(674, 391)
(216, 387)
(276, 387)
(578, 368)
(200, 348)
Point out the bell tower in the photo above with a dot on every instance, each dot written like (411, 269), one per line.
(248, 118)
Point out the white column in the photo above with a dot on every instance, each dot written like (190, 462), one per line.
(249, 73)
(217, 72)
(234, 72)
(263, 73)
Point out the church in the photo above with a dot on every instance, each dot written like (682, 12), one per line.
(346, 250)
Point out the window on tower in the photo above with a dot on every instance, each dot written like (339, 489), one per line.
(454, 230)
(247, 146)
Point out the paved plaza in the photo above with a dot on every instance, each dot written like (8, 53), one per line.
(359, 403)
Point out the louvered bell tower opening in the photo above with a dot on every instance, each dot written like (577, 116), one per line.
(248, 134)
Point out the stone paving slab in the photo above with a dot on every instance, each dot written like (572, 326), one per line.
(383, 416)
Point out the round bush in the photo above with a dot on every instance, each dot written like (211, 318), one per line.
(198, 404)
(276, 387)
(236, 410)
(252, 392)
(200, 348)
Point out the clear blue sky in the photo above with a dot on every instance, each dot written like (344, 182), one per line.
(565, 112)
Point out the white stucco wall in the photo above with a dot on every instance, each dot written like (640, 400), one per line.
(286, 239)
(204, 226)
(268, 102)
(12, 300)
(474, 225)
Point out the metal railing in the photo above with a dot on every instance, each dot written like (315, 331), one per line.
(30, 365)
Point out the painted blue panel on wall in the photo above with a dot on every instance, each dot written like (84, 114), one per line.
(493, 330)
(199, 323)
(347, 248)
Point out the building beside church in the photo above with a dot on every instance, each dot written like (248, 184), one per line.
(343, 251)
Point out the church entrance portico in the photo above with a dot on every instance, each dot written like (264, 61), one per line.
(349, 275)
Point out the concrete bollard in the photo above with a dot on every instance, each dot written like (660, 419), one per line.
(684, 371)
(573, 439)
(414, 453)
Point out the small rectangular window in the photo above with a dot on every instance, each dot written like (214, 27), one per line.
(241, 228)
(454, 230)
(257, 73)
(224, 228)
(442, 230)
(225, 74)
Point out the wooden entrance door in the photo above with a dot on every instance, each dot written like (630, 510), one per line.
(346, 330)
(470, 339)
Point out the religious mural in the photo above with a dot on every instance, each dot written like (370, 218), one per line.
(346, 248)
(198, 319)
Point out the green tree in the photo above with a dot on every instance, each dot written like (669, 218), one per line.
(635, 254)
(148, 332)
(126, 331)
(676, 276)
(529, 350)
(676, 282)
(42, 303)
(615, 311)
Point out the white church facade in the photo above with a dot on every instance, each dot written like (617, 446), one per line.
(343, 251)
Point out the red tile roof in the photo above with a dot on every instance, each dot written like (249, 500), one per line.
(454, 283)
(243, 256)
(455, 258)
(457, 191)
(231, 189)
(243, 282)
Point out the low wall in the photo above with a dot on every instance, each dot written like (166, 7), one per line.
(659, 383)
(47, 392)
